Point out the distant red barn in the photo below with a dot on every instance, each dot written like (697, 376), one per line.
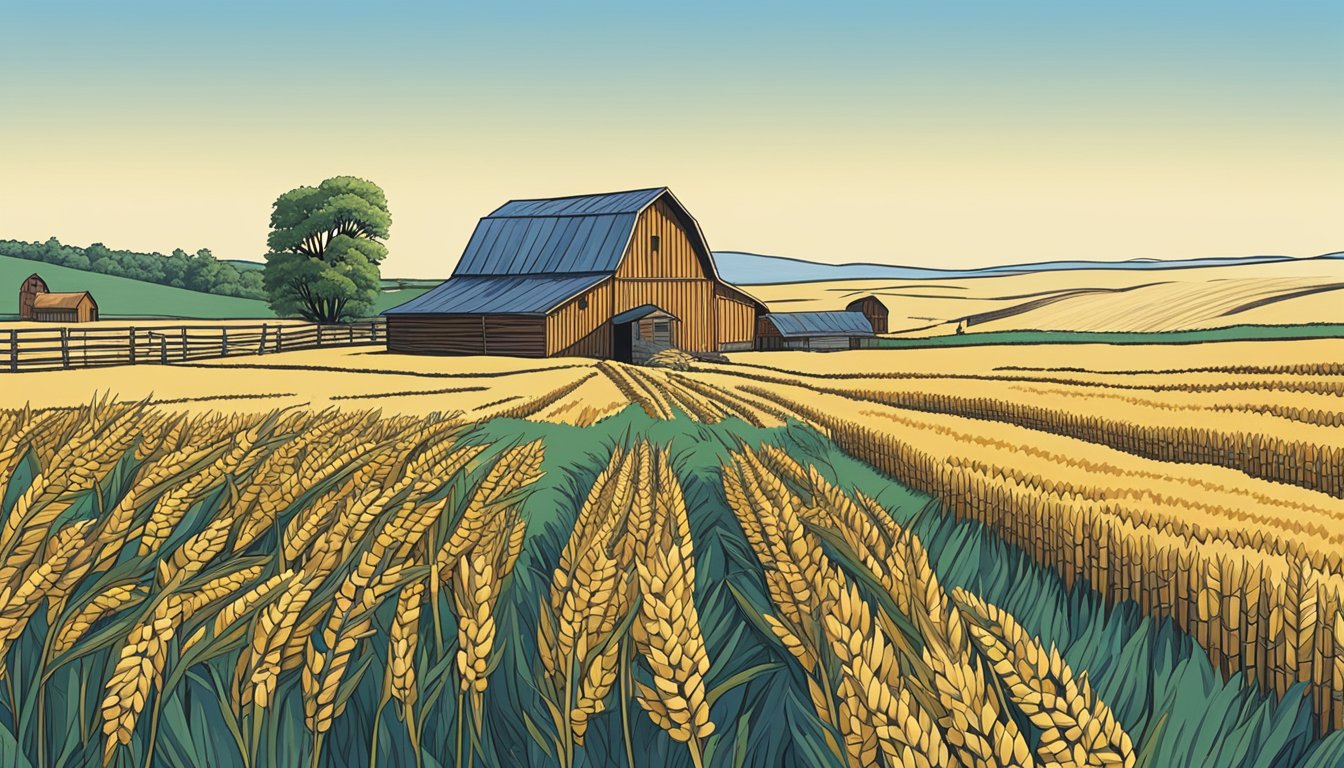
(38, 303)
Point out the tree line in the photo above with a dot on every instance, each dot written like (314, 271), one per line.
(325, 245)
(200, 271)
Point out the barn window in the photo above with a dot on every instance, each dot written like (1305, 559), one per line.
(653, 243)
(662, 332)
(583, 302)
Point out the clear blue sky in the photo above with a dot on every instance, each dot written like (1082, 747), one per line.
(939, 134)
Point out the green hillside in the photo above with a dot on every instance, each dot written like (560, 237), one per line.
(123, 297)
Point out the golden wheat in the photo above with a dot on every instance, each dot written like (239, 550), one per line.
(672, 643)
(1078, 729)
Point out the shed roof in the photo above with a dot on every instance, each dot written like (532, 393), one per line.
(641, 312)
(498, 294)
(795, 324)
(60, 300)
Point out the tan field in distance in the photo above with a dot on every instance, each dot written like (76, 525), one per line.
(1283, 293)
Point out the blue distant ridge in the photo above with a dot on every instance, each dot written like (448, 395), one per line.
(755, 269)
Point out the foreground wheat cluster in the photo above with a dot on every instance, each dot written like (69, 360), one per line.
(1251, 569)
(275, 540)
(896, 666)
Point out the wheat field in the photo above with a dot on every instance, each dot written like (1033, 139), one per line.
(860, 563)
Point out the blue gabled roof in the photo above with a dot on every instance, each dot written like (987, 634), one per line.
(633, 201)
(547, 244)
(793, 324)
(494, 294)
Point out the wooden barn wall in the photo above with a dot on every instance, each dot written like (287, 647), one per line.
(515, 335)
(582, 332)
(691, 301)
(874, 310)
(676, 256)
(737, 321)
(28, 294)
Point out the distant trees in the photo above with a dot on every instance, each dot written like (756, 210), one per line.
(200, 271)
(325, 247)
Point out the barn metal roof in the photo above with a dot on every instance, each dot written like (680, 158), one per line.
(557, 239)
(498, 294)
(795, 324)
(547, 244)
(639, 313)
(633, 201)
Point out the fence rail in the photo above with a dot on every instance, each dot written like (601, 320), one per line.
(45, 349)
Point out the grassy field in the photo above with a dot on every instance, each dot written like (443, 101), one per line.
(851, 559)
(122, 297)
(1300, 292)
(1198, 336)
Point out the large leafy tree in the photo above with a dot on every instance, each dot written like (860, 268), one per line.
(325, 247)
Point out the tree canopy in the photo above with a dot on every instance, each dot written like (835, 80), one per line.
(196, 272)
(325, 247)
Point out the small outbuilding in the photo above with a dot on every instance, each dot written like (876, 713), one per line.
(818, 331)
(873, 309)
(38, 303)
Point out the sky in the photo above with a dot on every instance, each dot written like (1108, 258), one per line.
(939, 134)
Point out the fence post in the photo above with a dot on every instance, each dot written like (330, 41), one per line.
(163, 348)
(132, 334)
(280, 338)
(65, 347)
(13, 350)
(261, 347)
(224, 342)
(184, 342)
(319, 335)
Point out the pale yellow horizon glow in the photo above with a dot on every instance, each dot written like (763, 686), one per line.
(950, 135)
(955, 200)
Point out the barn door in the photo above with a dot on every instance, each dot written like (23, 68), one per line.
(622, 343)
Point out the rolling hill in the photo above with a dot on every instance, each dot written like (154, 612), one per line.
(1280, 292)
(123, 297)
(757, 269)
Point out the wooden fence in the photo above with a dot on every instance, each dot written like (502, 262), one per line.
(45, 349)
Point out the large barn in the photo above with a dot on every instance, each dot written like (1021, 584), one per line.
(592, 276)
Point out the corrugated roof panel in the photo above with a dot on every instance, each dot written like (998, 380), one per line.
(583, 254)
(632, 201)
(492, 294)
(530, 242)
(793, 324)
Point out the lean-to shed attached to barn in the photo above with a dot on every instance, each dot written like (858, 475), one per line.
(821, 331)
(565, 276)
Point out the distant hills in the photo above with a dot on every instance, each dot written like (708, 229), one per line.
(757, 269)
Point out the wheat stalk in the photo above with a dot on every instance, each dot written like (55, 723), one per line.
(100, 606)
(1078, 729)
(671, 641)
